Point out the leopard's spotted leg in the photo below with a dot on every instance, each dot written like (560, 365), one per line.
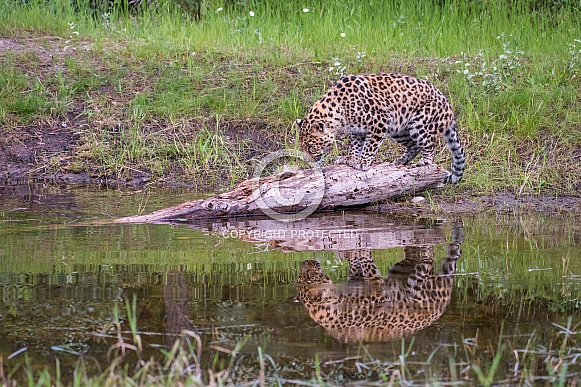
(385, 123)
(406, 137)
(370, 138)
(373, 141)
(431, 120)
(361, 265)
(356, 141)
(411, 150)
(426, 147)
(311, 273)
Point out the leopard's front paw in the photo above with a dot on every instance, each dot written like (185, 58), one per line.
(347, 160)
(421, 163)
(398, 162)
(350, 161)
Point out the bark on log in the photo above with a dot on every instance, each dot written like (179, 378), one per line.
(302, 191)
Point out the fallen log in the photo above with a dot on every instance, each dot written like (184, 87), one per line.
(294, 194)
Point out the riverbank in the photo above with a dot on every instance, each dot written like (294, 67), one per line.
(119, 100)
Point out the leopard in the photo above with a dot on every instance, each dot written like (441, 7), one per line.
(312, 274)
(372, 308)
(367, 107)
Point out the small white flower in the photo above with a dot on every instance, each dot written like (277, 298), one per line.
(343, 34)
(219, 9)
(305, 10)
(251, 14)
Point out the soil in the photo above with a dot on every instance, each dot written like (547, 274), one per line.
(501, 202)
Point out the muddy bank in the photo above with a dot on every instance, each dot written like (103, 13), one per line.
(26, 158)
(55, 153)
(502, 202)
(26, 187)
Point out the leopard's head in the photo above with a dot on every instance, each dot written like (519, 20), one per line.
(311, 273)
(311, 283)
(315, 137)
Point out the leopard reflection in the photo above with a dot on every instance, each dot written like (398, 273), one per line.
(371, 308)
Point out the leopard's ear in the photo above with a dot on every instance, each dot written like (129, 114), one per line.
(298, 122)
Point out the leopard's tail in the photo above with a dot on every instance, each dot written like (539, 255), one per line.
(458, 159)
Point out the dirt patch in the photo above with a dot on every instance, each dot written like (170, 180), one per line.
(54, 153)
(502, 202)
(28, 153)
(47, 153)
(44, 48)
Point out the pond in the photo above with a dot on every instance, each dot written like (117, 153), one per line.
(483, 299)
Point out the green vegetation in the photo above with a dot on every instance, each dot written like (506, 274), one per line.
(471, 360)
(197, 96)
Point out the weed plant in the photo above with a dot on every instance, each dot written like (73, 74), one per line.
(199, 97)
(186, 360)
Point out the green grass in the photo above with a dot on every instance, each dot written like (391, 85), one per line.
(158, 91)
(134, 360)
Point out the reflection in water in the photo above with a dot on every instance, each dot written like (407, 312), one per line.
(175, 296)
(328, 232)
(371, 308)
(60, 282)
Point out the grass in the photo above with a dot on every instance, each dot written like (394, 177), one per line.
(159, 92)
(134, 360)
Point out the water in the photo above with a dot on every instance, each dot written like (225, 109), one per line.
(64, 268)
